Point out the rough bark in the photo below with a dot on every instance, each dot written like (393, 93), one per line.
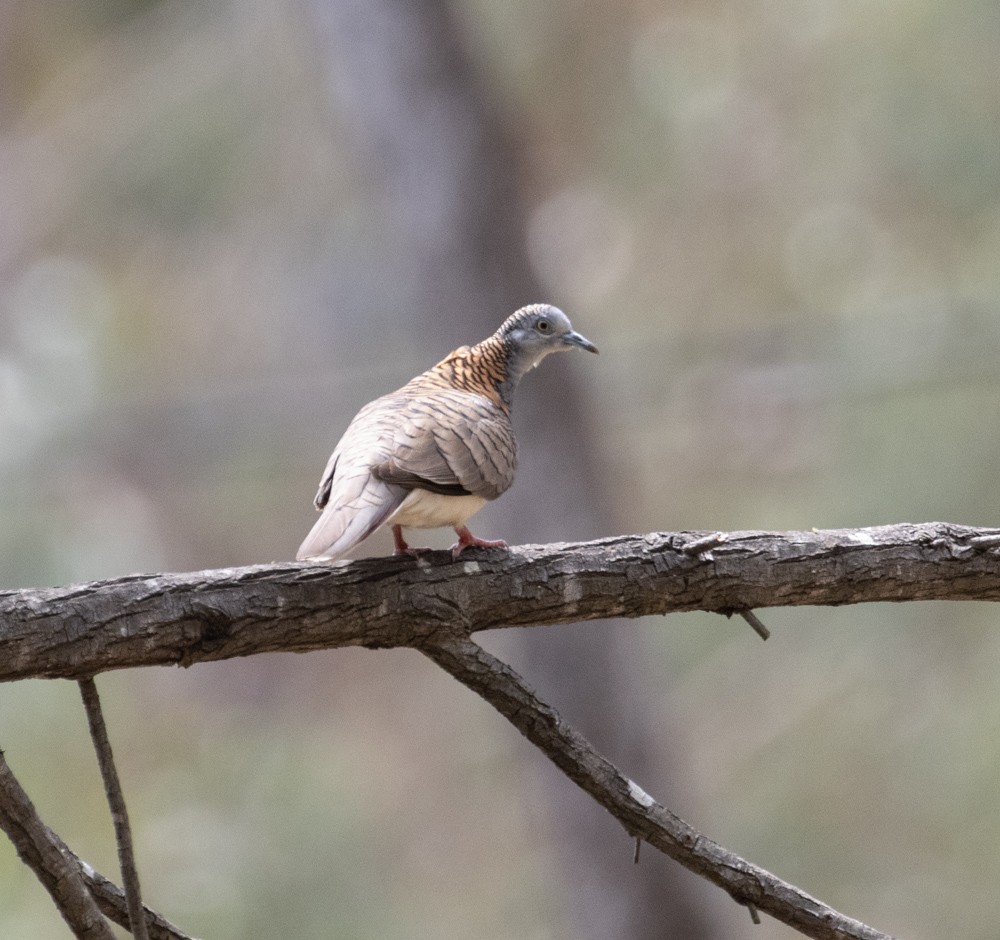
(168, 619)
(47, 856)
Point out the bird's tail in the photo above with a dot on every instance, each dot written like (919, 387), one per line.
(356, 508)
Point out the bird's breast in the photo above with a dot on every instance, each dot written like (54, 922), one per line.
(425, 510)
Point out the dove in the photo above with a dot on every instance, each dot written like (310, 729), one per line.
(432, 453)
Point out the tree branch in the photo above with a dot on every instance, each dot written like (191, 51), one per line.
(74, 885)
(47, 856)
(182, 619)
(116, 804)
(113, 904)
(433, 604)
(642, 817)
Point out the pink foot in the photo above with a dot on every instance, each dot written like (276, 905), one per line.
(401, 547)
(466, 538)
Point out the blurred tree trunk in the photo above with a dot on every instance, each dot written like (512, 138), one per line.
(440, 160)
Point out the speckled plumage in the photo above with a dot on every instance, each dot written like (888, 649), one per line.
(433, 452)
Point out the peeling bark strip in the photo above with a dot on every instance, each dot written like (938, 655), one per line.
(147, 620)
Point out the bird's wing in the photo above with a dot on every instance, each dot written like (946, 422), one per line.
(366, 437)
(453, 442)
(354, 502)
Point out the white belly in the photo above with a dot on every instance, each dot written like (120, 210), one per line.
(424, 510)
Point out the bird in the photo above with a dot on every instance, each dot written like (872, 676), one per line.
(432, 453)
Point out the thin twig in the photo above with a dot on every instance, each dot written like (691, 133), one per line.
(703, 544)
(116, 802)
(46, 854)
(751, 618)
(635, 809)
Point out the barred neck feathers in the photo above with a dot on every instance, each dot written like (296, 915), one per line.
(494, 367)
(481, 369)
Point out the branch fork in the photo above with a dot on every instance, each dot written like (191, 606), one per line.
(434, 605)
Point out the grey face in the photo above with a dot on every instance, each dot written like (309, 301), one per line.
(547, 329)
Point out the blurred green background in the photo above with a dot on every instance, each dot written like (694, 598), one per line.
(226, 226)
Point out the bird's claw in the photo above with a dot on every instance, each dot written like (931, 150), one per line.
(466, 539)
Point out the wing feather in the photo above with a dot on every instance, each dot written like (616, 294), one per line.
(353, 501)
(455, 442)
(445, 440)
(348, 521)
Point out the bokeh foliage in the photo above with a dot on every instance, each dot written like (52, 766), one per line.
(780, 222)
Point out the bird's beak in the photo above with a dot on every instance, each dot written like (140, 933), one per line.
(572, 338)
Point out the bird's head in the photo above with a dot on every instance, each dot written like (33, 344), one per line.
(525, 338)
(537, 330)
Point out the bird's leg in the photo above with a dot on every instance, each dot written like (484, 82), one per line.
(401, 547)
(397, 537)
(466, 538)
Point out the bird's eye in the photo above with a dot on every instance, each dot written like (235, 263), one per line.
(543, 326)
